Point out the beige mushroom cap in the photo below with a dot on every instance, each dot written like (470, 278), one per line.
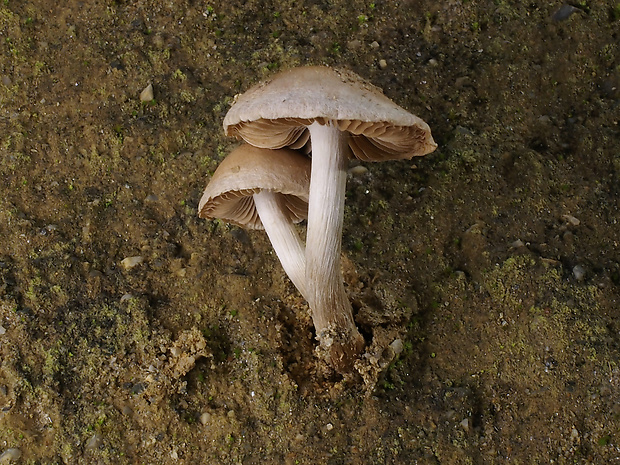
(274, 114)
(248, 170)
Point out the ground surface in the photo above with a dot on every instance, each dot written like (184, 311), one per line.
(496, 259)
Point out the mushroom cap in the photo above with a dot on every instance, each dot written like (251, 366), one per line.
(248, 170)
(275, 114)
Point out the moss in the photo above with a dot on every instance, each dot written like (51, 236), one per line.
(504, 283)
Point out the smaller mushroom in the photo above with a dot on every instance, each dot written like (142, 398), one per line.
(264, 189)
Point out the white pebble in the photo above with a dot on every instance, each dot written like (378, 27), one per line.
(397, 346)
(570, 219)
(579, 272)
(94, 442)
(147, 94)
(382, 64)
(10, 454)
(129, 262)
(329, 426)
(358, 170)
(205, 418)
(2, 331)
(465, 424)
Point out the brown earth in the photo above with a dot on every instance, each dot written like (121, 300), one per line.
(496, 259)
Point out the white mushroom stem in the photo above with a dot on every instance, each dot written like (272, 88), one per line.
(284, 238)
(331, 310)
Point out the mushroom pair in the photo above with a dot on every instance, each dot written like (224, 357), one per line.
(334, 115)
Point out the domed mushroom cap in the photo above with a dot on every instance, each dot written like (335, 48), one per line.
(274, 114)
(248, 170)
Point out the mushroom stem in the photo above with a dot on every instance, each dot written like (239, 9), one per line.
(284, 239)
(331, 310)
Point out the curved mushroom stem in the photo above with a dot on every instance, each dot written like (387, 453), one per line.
(331, 310)
(283, 237)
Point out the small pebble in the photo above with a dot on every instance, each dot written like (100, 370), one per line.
(129, 262)
(329, 427)
(358, 170)
(579, 272)
(94, 442)
(354, 44)
(517, 244)
(2, 330)
(10, 454)
(465, 424)
(564, 12)
(570, 219)
(205, 418)
(397, 346)
(382, 64)
(147, 94)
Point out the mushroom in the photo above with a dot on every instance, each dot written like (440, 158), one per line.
(264, 189)
(336, 115)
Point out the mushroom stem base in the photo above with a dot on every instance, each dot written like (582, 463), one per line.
(339, 348)
(331, 310)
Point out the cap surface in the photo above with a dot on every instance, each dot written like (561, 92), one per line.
(247, 170)
(275, 113)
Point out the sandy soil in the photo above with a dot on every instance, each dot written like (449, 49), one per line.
(495, 259)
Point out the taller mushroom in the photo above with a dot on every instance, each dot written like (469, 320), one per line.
(335, 115)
